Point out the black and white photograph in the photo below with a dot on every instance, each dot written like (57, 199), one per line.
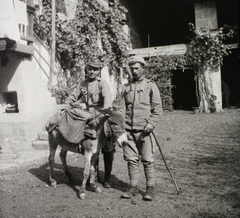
(119, 109)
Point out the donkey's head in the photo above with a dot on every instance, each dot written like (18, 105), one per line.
(114, 125)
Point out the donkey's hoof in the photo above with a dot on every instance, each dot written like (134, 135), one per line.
(106, 185)
(54, 184)
(82, 196)
(98, 189)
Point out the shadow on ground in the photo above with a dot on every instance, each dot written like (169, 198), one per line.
(43, 172)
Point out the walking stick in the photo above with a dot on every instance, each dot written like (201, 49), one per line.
(165, 163)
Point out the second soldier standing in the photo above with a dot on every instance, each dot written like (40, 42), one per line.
(143, 110)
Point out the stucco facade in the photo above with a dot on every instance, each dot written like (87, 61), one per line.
(23, 85)
(33, 98)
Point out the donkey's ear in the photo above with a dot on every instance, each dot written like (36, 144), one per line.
(107, 129)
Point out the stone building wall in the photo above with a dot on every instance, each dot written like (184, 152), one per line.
(206, 15)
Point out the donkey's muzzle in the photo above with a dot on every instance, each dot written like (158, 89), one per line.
(122, 139)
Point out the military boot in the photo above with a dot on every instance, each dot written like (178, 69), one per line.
(149, 174)
(133, 175)
(149, 195)
(131, 192)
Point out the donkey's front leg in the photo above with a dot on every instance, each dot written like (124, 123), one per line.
(86, 172)
(52, 150)
(94, 173)
(63, 155)
(52, 179)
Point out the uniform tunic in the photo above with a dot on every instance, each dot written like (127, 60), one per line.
(89, 94)
(142, 104)
(92, 93)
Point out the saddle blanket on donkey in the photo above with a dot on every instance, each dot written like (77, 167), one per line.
(72, 123)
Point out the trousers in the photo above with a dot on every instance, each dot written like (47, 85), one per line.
(140, 148)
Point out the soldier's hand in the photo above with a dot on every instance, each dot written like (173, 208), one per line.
(148, 128)
(92, 122)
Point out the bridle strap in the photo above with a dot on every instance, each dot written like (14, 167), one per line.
(118, 131)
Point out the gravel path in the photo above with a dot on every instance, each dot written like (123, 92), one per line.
(201, 150)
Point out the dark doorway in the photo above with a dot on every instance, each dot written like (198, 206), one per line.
(230, 72)
(184, 90)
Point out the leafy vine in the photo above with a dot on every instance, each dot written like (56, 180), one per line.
(93, 32)
(159, 70)
(206, 51)
(207, 48)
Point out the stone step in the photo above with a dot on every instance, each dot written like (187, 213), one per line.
(40, 145)
(43, 135)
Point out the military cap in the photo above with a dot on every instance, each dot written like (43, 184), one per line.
(94, 62)
(136, 59)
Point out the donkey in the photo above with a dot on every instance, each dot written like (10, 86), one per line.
(111, 124)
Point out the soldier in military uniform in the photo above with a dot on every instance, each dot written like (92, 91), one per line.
(92, 92)
(143, 110)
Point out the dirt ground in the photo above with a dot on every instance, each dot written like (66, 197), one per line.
(201, 150)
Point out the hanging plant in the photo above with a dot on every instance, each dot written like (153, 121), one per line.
(205, 53)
